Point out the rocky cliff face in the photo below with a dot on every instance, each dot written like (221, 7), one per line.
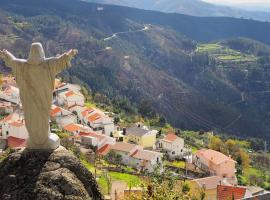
(57, 175)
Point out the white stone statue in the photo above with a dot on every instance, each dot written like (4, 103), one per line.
(35, 79)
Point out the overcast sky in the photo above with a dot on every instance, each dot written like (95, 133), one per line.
(237, 2)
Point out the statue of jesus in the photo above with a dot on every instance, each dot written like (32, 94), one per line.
(35, 79)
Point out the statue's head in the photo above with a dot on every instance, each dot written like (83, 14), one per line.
(36, 54)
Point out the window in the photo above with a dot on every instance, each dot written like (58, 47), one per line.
(7, 132)
(173, 152)
(181, 150)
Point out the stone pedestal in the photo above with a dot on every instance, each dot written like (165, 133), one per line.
(46, 175)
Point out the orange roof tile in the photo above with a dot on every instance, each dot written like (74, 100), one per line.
(144, 154)
(7, 118)
(87, 111)
(209, 183)
(17, 124)
(14, 142)
(54, 111)
(104, 150)
(69, 93)
(72, 128)
(213, 156)
(170, 137)
(230, 192)
(91, 134)
(94, 117)
(121, 146)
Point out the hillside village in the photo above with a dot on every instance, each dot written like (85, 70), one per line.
(136, 150)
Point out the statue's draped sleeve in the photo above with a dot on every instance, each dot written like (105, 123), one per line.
(58, 64)
(14, 63)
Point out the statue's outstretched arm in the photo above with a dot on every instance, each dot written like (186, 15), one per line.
(8, 57)
(59, 63)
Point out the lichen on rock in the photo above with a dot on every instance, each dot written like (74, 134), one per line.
(42, 175)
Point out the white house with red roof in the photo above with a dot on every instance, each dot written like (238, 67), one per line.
(15, 129)
(10, 94)
(69, 98)
(63, 87)
(96, 140)
(61, 116)
(6, 107)
(134, 156)
(75, 129)
(217, 164)
(97, 120)
(146, 160)
(172, 145)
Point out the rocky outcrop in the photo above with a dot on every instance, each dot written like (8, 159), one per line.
(42, 175)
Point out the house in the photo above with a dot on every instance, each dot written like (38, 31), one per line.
(146, 160)
(70, 98)
(141, 136)
(14, 142)
(95, 139)
(134, 156)
(208, 185)
(216, 163)
(61, 116)
(75, 129)
(63, 87)
(97, 120)
(231, 192)
(10, 94)
(121, 148)
(78, 111)
(15, 129)
(6, 107)
(172, 145)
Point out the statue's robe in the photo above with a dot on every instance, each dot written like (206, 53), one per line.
(36, 84)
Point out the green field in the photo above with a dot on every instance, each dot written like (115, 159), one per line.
(208, 48)
(223, 53)
(131, 180)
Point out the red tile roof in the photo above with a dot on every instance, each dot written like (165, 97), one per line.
(125, 147)
(170, 137)
(7, 118)
(144, 155)
(213, 156)
(94, 117)
(14, 142)
(209, 183)
(104, 150)
(91, 134)
(17, 124)
(69, 93)
(230, 192)
(54, 111)
(72, 127)
(87, 111)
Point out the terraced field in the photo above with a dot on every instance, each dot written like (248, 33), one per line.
(224, 54)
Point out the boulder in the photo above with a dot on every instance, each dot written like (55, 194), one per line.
(42, 175)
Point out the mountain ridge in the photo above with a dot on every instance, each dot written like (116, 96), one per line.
(190, 7)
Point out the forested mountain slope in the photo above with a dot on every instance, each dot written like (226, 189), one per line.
(156, 59)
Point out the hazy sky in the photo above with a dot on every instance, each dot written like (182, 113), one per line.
(237, 2)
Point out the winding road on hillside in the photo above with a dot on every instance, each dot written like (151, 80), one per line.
(146, 27)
